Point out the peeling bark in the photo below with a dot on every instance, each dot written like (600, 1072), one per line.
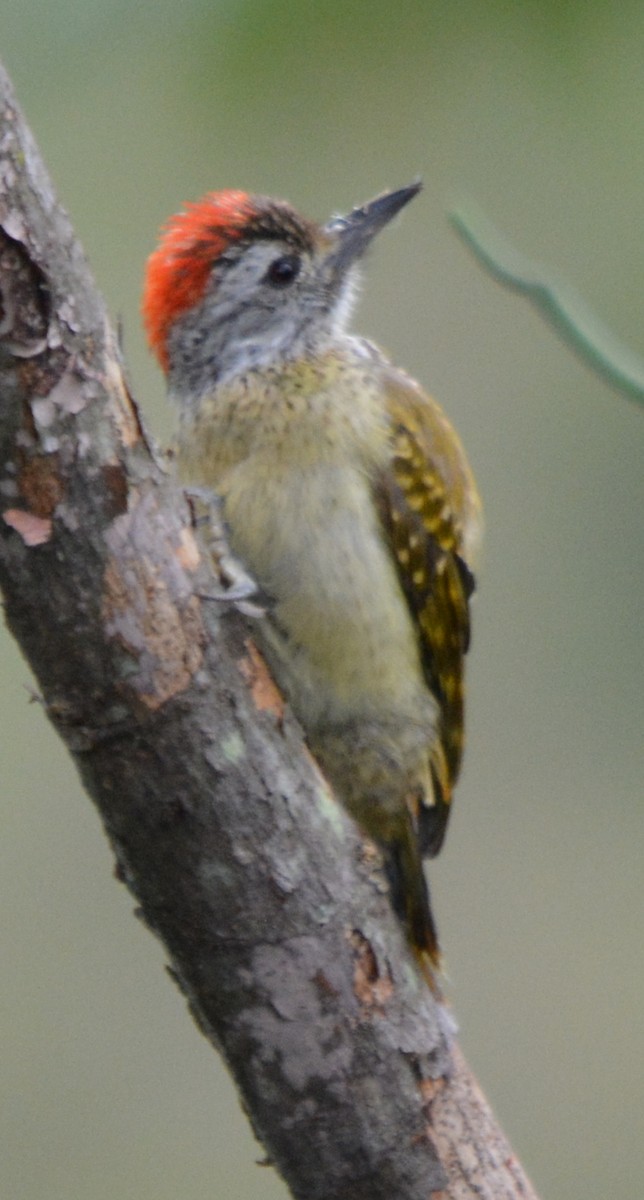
(273, 909)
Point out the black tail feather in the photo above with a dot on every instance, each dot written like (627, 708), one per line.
(410, 895)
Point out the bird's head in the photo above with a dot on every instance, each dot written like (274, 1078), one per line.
(239, 281)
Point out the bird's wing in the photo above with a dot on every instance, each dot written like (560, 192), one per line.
(431, 514)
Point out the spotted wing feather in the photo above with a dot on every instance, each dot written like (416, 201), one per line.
(431, 514)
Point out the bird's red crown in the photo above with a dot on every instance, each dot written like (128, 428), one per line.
(178, 270)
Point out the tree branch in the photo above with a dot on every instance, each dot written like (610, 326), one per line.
(272, 907)
(555, 300)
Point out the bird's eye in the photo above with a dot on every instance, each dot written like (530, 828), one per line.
(283, 270)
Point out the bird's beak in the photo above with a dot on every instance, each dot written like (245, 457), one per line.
(352, 234)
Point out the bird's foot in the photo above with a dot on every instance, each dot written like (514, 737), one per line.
(240, 589)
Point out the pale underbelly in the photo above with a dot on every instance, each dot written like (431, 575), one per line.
(340, 633)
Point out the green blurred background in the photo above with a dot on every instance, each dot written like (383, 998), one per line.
(536, 111)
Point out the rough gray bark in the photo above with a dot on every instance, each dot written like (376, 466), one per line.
(271, 906)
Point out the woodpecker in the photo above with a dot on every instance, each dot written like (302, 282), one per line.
(346, 494)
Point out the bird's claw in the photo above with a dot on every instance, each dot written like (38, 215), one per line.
(240, 592)
(240, 589)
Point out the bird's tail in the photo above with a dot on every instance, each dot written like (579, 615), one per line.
(410, 895)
